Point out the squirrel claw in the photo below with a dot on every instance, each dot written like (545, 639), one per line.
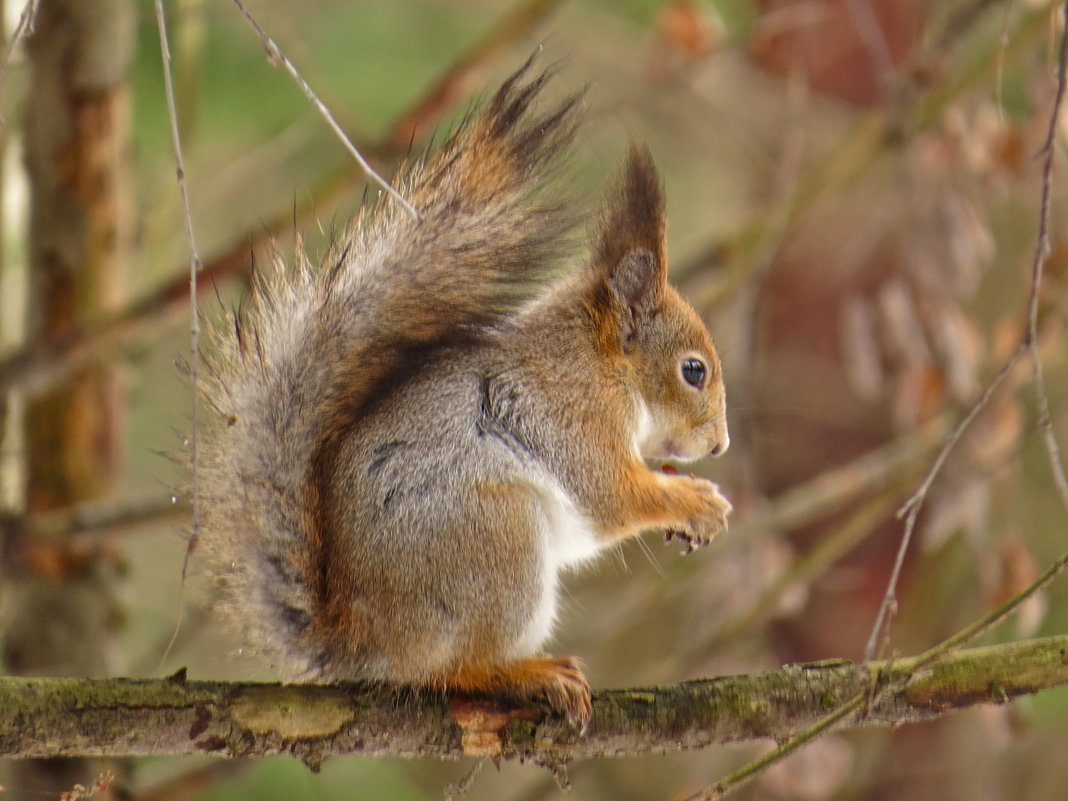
(703, 511)
(692, 543)
(567, 692)
(556, 683)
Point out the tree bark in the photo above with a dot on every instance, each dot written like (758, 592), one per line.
(77, 142)
(128, 717)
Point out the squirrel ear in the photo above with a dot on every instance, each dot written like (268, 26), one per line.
(634, 282)
(630, 251)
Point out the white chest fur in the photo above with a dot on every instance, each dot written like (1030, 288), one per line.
(567, 539)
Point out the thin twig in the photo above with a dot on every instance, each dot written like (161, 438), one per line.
(876, 696)
(874, 40)
(463, 787)
(24, 27)
(1028, 345)
(911, 509)
(803, 572)
(37, 367)
(856, 151)
(277, 56)
(838, 486)
(999, 79)
(193, 783)
(992, 618)
(751, 770)
(1042, 249)
(194, 313)
(92, 518)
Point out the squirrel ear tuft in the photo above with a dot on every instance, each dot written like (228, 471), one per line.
(630, 251)
(633, 214)
(634, 282)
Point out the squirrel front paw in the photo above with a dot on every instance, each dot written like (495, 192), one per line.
(709, 515)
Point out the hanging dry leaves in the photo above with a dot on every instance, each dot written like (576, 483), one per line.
(685, 34)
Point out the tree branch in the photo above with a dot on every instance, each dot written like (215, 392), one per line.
(66, 717)
(39, 366)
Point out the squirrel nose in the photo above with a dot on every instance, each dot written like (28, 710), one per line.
(720, 447)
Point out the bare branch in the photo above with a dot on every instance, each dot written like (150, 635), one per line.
(195, 267)
(995, 616)
(753, 769)
(941, 654)
(277, 56)
(911, 509)
(22, 29)
(879, 56)
(837, 486)
(1042, 249)
(108, 516)
(1028, 345)
(40, 366)
(832, 546)
(111, 717)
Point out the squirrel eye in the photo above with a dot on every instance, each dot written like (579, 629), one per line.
(693, 371)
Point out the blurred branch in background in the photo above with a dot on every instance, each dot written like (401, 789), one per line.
(467, 73)
(41, 365)
(276, 56)
(923, 95)
(1029, 343)
(76, 134)
(38, 367)
(24, 27)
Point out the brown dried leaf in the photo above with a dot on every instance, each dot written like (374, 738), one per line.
(996, 435)
(970, 243)
(1017, 570)
(965, 508)
(918, 395)
(685, 34)
(902, 332)
(958, 345)
(860, 348)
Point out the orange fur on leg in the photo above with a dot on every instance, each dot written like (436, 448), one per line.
(559, 683)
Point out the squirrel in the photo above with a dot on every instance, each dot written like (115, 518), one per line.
(417, 436)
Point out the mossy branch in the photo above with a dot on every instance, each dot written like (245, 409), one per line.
(127, 717)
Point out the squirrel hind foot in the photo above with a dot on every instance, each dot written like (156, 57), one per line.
(558, 683)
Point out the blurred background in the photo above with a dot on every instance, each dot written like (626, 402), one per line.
(853, 194)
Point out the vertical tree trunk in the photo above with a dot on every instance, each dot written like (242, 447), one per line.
(3, 262)
(77, 142)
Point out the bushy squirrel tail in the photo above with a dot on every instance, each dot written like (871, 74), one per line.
(316, 345)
